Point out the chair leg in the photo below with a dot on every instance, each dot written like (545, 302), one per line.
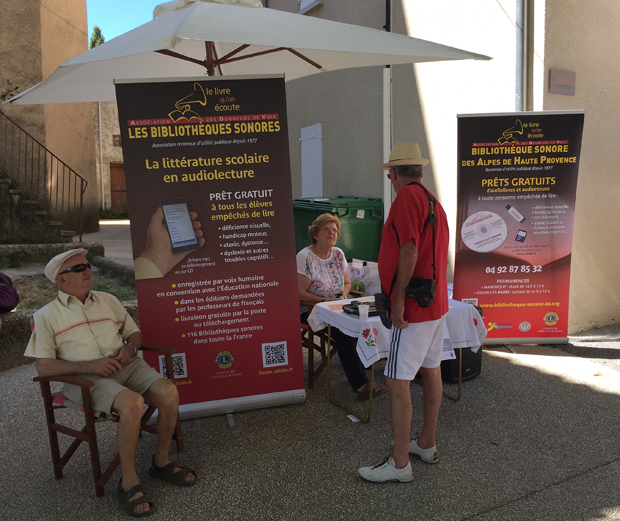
(310, 347)
(145, 418)
(46, 393)
(92, 441)
(178, 436)
(99, 484)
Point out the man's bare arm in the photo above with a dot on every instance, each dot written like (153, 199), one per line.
(407, 259)
(52, 367)
(135, 339)
(124, 354)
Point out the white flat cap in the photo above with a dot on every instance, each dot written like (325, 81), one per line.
(53, 266)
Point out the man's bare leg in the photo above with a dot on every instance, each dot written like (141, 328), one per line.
(129, 407)
(433, 394)
(400, 407)
(163, 395)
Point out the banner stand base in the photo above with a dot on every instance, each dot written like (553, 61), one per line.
(231, 405)
(542, 341)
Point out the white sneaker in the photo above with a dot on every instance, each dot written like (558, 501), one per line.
(427, 455)
(387, 471)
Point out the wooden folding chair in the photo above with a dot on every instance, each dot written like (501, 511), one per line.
(88, 434)
(309, 341)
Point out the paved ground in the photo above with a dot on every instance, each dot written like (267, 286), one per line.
(535, 437)
(116, 239)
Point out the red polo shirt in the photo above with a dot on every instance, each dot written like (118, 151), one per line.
(409, 212)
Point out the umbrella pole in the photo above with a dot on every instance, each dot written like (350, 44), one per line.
(209, 60)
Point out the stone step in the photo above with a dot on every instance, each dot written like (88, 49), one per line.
(33, 216)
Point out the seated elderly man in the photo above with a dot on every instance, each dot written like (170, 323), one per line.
(89, 333)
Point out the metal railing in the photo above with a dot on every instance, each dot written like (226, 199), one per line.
(41, 175)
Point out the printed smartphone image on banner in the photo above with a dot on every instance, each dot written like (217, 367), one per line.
(179, 224)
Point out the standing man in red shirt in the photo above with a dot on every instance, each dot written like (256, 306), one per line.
(412, 246)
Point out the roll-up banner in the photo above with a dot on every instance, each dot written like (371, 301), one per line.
(517, 181)
(209, 190)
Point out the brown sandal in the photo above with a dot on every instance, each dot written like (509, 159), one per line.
(167, 472)
(363, 394)
(125, 498)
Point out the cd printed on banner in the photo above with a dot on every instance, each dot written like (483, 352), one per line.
(484, 232)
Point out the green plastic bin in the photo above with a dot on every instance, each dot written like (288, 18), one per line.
(361, 222)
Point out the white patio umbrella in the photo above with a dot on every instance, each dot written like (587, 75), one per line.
(229, 37)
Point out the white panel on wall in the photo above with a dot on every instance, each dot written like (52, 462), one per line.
(311, 142)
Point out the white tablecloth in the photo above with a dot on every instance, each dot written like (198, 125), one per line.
(464, 328)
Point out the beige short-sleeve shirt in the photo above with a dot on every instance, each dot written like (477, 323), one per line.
(69, 330)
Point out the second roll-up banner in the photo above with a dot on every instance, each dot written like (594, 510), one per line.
(209, 190)
(517, 183)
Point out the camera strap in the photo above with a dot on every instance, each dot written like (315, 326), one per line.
(432, 219)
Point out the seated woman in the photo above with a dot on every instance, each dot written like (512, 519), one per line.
(322, 276)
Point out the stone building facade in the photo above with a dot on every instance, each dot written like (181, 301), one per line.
(35, 37)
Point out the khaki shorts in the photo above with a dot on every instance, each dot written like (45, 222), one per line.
(420, 344)
(137, 376)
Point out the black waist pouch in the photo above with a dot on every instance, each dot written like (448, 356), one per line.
(384, 308)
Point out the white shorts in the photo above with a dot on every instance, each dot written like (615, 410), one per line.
(420, 344)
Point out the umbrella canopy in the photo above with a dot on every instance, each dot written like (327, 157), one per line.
(231, 37)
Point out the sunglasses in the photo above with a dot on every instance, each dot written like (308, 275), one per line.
(78, 268)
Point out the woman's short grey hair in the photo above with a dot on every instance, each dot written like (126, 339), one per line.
(413, 171)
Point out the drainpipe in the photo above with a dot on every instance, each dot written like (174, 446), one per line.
(387, 116)
(521, 58)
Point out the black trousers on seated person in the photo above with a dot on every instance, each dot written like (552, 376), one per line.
(351, 363)
(353, 367)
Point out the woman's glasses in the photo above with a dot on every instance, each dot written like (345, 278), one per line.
(78, 268)
(330, 230)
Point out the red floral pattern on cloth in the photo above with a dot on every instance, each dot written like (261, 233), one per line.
(370, 338)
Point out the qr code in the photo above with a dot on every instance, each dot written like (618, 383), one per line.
(179, 365)
(472, 301)
(275, 354)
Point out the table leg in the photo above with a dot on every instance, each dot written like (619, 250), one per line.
(342, 406)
